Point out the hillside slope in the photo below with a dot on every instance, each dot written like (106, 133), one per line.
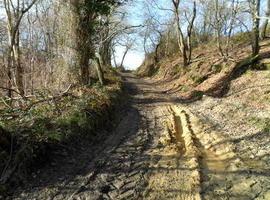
(208, 73)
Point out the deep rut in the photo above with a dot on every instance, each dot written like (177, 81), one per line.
(160, 150)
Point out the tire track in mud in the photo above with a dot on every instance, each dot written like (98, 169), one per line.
(176, 174)
(203, 160)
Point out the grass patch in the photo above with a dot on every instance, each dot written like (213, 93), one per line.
(261, 123)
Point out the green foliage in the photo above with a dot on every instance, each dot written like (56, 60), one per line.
(262, 123)
(217, 68)
(101, 7)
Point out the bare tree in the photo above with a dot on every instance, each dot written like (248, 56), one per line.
(127, 42)
(190, 29)
(15, 12)
(180, 35)
(184, 45)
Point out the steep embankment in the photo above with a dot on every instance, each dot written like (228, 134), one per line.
(208, 73)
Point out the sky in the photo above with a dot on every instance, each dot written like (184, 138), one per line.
(135, 57)
(136, 14)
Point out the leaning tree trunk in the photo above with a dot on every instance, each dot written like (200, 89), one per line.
(124, 56)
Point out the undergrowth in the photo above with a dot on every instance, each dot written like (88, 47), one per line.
(27, 137)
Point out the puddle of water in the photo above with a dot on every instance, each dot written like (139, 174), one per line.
(213, 162)
(178, 133)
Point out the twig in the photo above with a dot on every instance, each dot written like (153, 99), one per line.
(69, 87)
(6, 104)
(11, 89)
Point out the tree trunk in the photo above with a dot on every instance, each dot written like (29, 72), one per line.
(180, 36)
(99, 71)
(82, 41)
(181, 43)
(84, 66)
(114, 57)
(156, 52)
(123, 58)
(9, 73)
(218, 28)
(256, 28)
(189, 31)
(18, 66)
(167, 44)
(231, 26)
(105, 54)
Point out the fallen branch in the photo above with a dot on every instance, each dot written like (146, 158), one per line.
(52, 98)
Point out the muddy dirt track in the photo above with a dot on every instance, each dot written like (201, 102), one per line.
(159, 150)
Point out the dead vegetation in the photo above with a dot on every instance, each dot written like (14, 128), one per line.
(208, 73)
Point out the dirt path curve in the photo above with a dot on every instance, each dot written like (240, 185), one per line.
(159, 150)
